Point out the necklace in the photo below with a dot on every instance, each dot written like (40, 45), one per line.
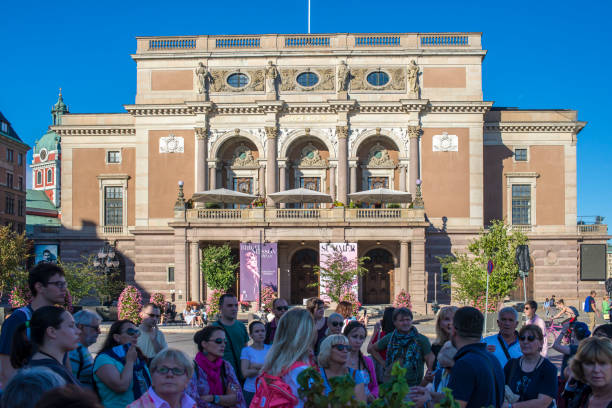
(534, 367)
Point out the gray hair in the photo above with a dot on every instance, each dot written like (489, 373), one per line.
(326, 346)
(508, 310)
(86, 317)
(175, 355)
(28, 385)
(336, 316)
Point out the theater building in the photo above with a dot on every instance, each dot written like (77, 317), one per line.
(336, 113)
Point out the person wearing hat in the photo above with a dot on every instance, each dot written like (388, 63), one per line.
(579, 331)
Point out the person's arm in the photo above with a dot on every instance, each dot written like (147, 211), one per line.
(429, 361)
(117, 382)
(249, 369)
(157, 345)
(561, 312)
(360, 392)
(558, 346)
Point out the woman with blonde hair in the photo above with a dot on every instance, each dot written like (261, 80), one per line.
(333, 359)
(444, 324)
(292, 347)
(592, 365)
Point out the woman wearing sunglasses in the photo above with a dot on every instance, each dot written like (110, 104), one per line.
(532, 379)
(120, 371)
(356, 333)
(214, 383)
(171, 371)
(333, 359)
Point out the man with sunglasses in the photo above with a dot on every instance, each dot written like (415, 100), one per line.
(279, 307)
(48, 287)
(532, 318)
(152, 340)
(80, 358)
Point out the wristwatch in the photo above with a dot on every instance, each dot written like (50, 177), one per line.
(216, 399)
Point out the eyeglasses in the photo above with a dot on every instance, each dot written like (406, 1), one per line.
(174, 371)
(282, 308)
(96, 328)
(342, 347)
(527, 308)
(531, 337)
(132, 332)
(59, 284)
(153, 315)
(219, 340)
(336, 324)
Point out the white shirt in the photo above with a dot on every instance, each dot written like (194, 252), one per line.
(146, 344)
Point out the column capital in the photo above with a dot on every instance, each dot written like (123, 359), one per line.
(404, 242)
(342, 132)
(201, 132)
(271, 132)
(414, 132)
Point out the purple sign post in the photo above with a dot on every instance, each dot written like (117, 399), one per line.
(251, 270)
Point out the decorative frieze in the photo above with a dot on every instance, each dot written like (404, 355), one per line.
(397, 80)
(289, 80)
(106, 131)
(256, 80)
(171, 144)
(524, 128)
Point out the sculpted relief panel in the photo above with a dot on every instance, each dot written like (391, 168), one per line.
(256, 82)
(288, 81)
(359, 81)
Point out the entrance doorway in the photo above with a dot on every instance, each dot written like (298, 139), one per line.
(303, 275)
(377, 280)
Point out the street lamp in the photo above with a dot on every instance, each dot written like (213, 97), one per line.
(106, 259)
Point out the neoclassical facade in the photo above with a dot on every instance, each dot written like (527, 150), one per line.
(336, 113)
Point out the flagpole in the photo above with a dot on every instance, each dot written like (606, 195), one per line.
(308, 16)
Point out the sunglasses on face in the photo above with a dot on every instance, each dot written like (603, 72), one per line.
(132, 332)
(282, 308)
(342, 347)
(531, 337)
(153, 315)
(58, 284)
(527, 308)
(166, 370)
(96, 328)
(219, 341)
(336, 324)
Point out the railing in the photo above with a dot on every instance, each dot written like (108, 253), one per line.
(378, 212)
(111, 229)
(244, 42)
(216, 214)
(593, 229)
(521, 228)
(178, 44)
(295, 214)
(377, 41)
(293, 42)
(445, 40)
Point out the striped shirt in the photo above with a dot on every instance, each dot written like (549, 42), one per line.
(82, 365)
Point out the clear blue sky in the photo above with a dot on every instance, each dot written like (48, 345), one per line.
(541, 54)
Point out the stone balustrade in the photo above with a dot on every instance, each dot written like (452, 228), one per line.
(283, 42)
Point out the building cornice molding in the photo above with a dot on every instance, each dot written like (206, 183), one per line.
(535, 127)
(93, 131)
(460, 107)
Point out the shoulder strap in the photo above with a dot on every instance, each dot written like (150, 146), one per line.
(502, 343)
(81, 360)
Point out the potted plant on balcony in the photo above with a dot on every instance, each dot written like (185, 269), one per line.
(393, 205)
(211, 206)
(258, 202)
(337, 203)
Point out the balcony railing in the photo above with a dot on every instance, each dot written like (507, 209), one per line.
(593, 229)
(112, 230)
(521, 228)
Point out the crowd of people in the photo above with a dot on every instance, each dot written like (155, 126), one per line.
(46, 361)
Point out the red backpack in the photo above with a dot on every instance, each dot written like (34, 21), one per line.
(273, 392)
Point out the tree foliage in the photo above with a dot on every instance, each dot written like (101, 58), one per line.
(82, 279)
(469, 271)
(14, 251)
(218, 267)
(339, 273)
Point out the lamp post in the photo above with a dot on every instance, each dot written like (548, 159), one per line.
(106, 260)
(418, 199)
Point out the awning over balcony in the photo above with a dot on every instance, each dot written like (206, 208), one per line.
(381, 195)
(223, 196)
(300, 195)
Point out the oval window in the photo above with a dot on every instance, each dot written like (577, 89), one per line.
(378, 78)
(237, 80)
(307, 79)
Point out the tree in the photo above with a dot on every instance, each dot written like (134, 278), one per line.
(82, 279)
(469, 271)
(218, 267)
(14, 251)
(339, 273)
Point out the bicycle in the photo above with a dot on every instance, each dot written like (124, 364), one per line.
(554, 330)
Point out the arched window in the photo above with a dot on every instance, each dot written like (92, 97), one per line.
(49, 176)
(39, 177)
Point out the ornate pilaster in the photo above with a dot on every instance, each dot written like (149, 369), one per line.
(271, 150)
(402, 177)
(194, 272)
(201, 155)
(342, 133)
(414, 133)
(212, 167)
(332, 181)
(282, 178)
(353, 166)
(404, 260)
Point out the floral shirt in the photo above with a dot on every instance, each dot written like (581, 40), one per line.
(151, 400)
(198, 387)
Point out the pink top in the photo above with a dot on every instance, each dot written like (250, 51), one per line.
(537, 320)
(151, 400)
(373, 384)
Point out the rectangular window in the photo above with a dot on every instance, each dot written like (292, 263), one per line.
(113, 205)
(170, 274)
(9, 155)
(444, 275)
(9, 180)
(113, 156)
(10, 205)
(5, 127)
(521, 204)
(20, 208)
(20, 159)
(520, 154)
(20, 183)
(20, 228)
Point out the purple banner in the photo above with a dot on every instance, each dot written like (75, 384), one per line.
(251, 270)
(340, 251)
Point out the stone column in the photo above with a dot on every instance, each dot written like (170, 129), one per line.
(194, 272)
(262, 179)
(213, 175)
(354, 177)
(402, 177)
(404, 266)
(271, 186)
(342, 133)
(413, 133)
(201, 155)
(332, 182)
(282, 179)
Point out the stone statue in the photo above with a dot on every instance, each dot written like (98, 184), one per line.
(271, 75)
(343, 76)
(203, 78)
(413, 77)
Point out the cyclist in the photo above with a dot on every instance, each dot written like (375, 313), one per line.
(570, 313)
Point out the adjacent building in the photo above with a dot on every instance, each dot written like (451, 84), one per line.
(336, 113)
(12, 177)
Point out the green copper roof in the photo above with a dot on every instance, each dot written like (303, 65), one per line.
(38, 199)
(49, 141)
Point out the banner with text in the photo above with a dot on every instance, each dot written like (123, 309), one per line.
(341, 253)
(251, 270)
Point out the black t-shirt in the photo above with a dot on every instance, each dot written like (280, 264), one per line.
(573, 349)
(56, 367)
(477, 377)
(542, 380)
